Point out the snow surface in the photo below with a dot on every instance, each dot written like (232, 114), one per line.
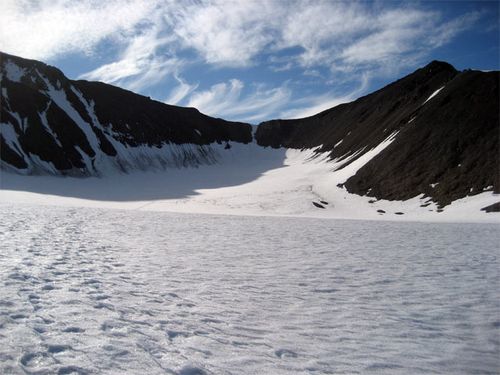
(128, 292)
(433, 95)
(10, 137)
(60, 99)
(243, 180)
(13, 72)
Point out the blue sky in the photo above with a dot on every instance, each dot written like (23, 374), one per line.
(251, 60)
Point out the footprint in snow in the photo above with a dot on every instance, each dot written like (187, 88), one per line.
(36, 360)
(174, 334)
(53, 349)
(73, 330)
(285, 353)
(68, 370)
(191, 370)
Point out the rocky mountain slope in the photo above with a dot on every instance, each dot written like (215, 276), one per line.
(445, 126)
(50, 124)
(434, 132)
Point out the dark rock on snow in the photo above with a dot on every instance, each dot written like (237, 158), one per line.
(495, 207)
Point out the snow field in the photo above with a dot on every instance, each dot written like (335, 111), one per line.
(245, 180)
(87, 290)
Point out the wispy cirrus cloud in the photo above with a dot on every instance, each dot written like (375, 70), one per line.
(400, 35)
(181, 91)
(311, 105)
(446, 31)
(46, 29)
(326, 33)
(226, 33)
(153, 42)
(228, 100)
(321, 29)
(142, 63)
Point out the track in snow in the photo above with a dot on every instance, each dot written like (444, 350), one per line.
(111, 292)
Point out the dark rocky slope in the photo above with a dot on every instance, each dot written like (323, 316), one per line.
(51, 124)
(446, 148)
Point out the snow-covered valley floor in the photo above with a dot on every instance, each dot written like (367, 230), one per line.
(141, 274)
(247, 180)
(105, 291)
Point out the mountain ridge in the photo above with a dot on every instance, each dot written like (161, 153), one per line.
(425, 109)
(443, 125)
(75, 125)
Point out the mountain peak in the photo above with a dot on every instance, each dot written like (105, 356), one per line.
(446, 122)
(440, 65)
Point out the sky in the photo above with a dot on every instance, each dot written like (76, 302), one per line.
(251, 60)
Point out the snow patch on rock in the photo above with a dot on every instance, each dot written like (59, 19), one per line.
(433, 94)
(13, 72)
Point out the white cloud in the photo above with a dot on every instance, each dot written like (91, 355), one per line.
(151, 40)
(226, 100)
(336, 34)
(447, 31)
(400, 38)
(321, 27)
(312, 105)
(226, 33)
(397, 33)
(180, 92)
(155, 69)
(48, 28)
(141, 64)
